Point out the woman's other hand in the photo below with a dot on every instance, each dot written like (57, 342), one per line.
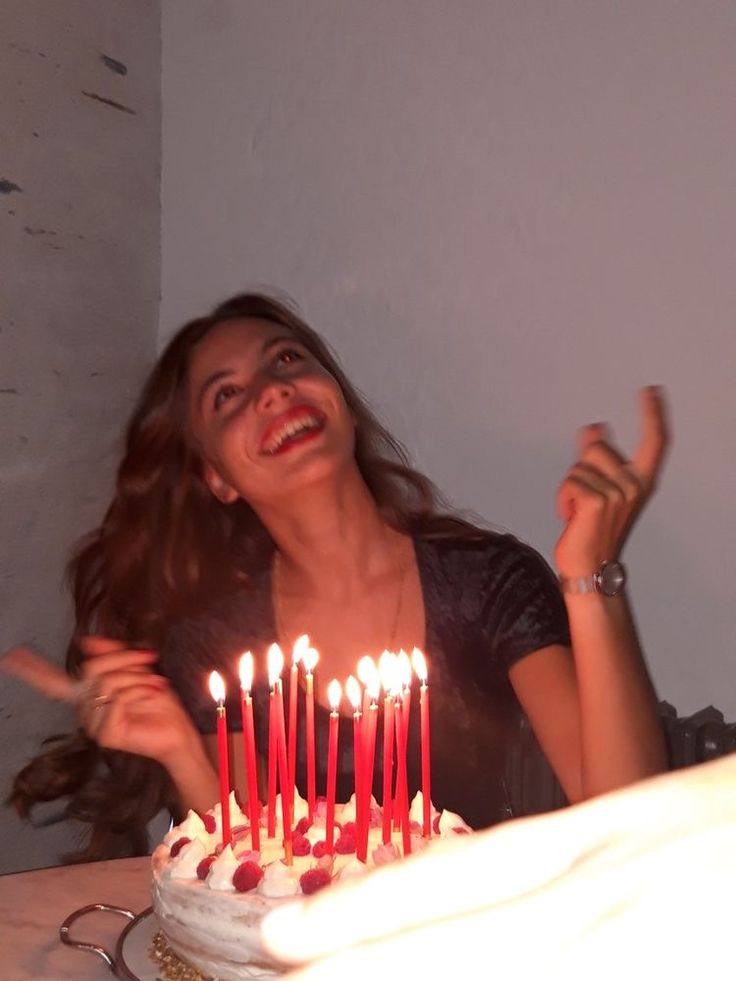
(603, 493)
(120, 702)
(125, 705)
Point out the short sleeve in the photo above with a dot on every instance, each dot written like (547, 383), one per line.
(523, 609)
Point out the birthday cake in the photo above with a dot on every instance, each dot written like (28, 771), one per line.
(210, 900)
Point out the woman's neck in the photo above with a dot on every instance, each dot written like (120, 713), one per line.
(332, 540)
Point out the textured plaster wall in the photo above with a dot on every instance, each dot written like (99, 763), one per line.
(80, 245)
(506, 217)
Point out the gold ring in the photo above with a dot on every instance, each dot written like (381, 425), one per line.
(100, 701)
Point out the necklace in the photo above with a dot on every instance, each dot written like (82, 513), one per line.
(284, 635)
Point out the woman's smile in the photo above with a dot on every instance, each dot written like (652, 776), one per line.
(298, 425)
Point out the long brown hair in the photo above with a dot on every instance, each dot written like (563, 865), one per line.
(167, 545)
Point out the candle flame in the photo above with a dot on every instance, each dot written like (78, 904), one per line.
(334, 694)
(353, 692)
(404, 669)
(301, 646)
(420, 665)
(309, 659)
(388, 670)
(246, 671)
(367, 670)
(368, 674)
(217, 687)
(275, 664)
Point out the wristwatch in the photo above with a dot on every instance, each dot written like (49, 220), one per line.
(609, 580)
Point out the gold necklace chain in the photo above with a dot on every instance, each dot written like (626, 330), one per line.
(280, 624)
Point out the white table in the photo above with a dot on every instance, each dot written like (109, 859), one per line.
(33, 906)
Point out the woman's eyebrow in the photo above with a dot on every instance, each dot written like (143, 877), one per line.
(274, 341)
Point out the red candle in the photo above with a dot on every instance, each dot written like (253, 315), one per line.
(402, 793)
(277, 740)
(217, 689)
(404, 669)
(334, 694)
(388, 680)
(300, 645)
(406, 678)
(369, 756)
(420, 666)
(249, 744)
(286, 789)
(353, 691)
(272, 763)
(309, 659)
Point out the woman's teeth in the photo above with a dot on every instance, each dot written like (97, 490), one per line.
(289, 430)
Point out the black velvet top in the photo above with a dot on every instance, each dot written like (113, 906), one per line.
(487, 604)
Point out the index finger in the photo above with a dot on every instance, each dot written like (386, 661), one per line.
(94, 645)
(24, 663)
(647, 460)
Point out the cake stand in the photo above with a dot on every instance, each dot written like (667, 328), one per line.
(131, 960)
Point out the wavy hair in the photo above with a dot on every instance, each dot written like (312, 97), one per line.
(167, 545)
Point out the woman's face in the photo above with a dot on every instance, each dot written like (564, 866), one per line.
(268, 418)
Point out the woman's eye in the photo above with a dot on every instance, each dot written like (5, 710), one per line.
(288, 355)
(223, 393)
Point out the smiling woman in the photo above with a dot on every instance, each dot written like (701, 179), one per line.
(259, 499)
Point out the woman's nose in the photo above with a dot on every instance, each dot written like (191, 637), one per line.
(271, 393)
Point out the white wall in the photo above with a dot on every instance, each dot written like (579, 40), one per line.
(80, 242)
(506, 216)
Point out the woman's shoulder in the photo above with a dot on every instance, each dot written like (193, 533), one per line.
(479, 549)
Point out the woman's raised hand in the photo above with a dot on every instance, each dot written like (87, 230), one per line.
(121, 703)
(603, 493)
(124, 705)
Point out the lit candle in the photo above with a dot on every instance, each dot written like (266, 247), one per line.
(300, 645)
(420, 666)
(353, 692)
(309, 660)
(275, 667)
(249, 744)
(367, 675)
(405, 676)
(217, 690)
(334, 694)
(373, 689)
(402, 794)
(387, 668)
(272, 757)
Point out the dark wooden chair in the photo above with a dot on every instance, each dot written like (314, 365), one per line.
(533, 787)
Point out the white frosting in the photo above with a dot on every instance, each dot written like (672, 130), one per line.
(416, 811)
(191, 827)
(348, 811)
(450, 821)
(301, 808)
(184, 865)
(236, 815)
(278, 881)
(353, 869)
(220, 876)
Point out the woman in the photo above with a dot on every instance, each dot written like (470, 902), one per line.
(259, 499)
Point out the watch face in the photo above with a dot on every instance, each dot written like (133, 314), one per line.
(611, 578)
